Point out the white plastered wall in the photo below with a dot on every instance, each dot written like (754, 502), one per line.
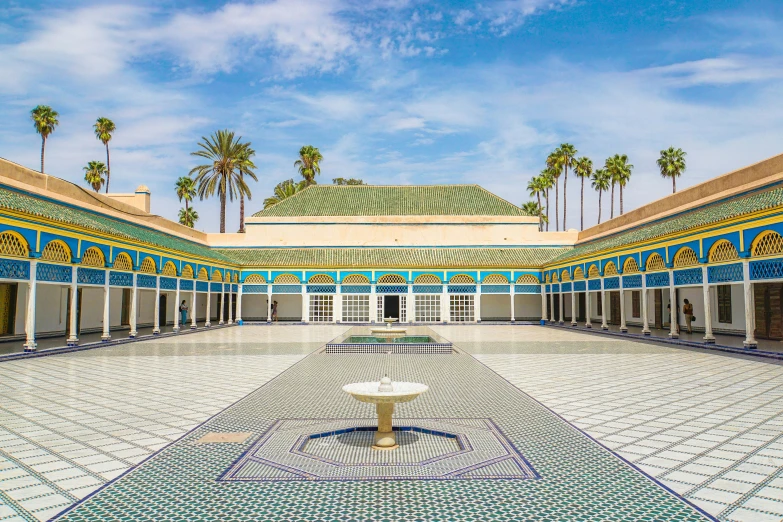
(527, 307)
(254, 307)
(289, 306)
(495, 307)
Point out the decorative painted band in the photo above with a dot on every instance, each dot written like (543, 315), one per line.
(168, 283)
(391, 289)
(53, 273)
(495, 289)
(14, 269)
(216, 287)
(527, 289)
(186, 284)
(594, 284)
(321, 289)
(254, 289)
(579, 286)
(234, 288)
(462, 289)
(287, 289)
(145, 281)
(766, 269)
(632, 281)
(355, 289)
(565, 287)
(555, 288)
(548, 288)
(689, 276)
(724, 273)
(611, 283)
(90, 276)
(120, 279)
(202, 286)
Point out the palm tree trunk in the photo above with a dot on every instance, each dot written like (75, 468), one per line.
(611, 214)
(621, 200)
(547, 210)
(557, 204)
(674, 180)
(599, 206)
(241, 206)
(565, 196)
(582, 221)
(43, 148)
(186, 205)
(223, 213)
(108, 167)
(540, 221)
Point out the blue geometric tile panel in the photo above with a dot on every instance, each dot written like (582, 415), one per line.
(724, 273)
(391, 289)
(287, 289)
(766, 269)
(254, 289)
(611, 283)
(462, 289)
(548, 288)
(632, 281)
(495, 289)
(202, 286)
(90, 276)
(565, 287)
(579, 286)
(14, 269)
(186, 284)
(120, 279)
(234, 288)
(594, 284)
(527, 289)
(216, 287)
(146, 281)
(168, 283)
(657, 279)
(53, 273)
(355, 289)
(555, 288)
(321, 289)
(688, 276)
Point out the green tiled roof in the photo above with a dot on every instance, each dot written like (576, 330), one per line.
(393, 257)
(12, 200)
(401, 200)
(689, 220)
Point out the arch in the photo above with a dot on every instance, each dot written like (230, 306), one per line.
(685, 257)
(217, 275)
(579, 273)
(287, 279)
(495, 279)
(123, 261)
(555, 278)
(187, 272)
(528, 279)
(722, 250)
(610, 269)
(254, 279)
(655, 263)
(236, 277)
(565, 275)
(56, 251)
(356, 279)
(321, 279)
(462, 279)
(593, 271)
(93, 257)
(391, 279)
(148, 266)
(202, 274)
(547, 278)
(630, 266)
(13, 245)
(169, 269)
(768, 243)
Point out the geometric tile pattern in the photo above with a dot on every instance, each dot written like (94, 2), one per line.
(53, 273)
(14, 269)
(766, 269)
(724, 273)
(690, 276)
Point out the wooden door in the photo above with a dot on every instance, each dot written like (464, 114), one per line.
(769, 310)
(614, 307)
(580, 303)
(162, 311)
(658, 308)
(8, 308)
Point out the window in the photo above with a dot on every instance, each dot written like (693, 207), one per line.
(427, 308)
(600, 305)
(321, 309)
(636, 303)
(461, 308)
(356, 309)
(724, 303)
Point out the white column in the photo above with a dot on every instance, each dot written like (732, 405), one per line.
(573, 305)
(193, 302)
(552, 317)
(645, 313)
(156, 319)
(134, 308)
(477, 303)
(29, 323)
(222, 303)
(338, 304)
(708, 337)
(176, 306)
(672, 307)
(623, 327)
(604, 305)
(411, 304)
(588, 323)
(106, 336)
(544, 317)
(239, 304)
(373, 304)
(445, 305)
(230, 303)
(73, 338)
(750, 307)
(560, 301)
(512, 291)
(305, 304)
(208, 321)
(269, 303)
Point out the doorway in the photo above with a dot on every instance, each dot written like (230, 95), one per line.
(162, 310)
(391, 306)
(580, 303)
(769, 310)
(126, 305)
(8, 308)
(614, 308)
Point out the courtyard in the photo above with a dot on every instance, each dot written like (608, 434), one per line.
(583, 427)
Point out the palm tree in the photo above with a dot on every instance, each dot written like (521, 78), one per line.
(547, 177)
(45, 120)
(93, 174)
(186, 189)
(536, 187)
(221, 174)
(672, 165)
(600, 182)
(284, 190)
(104, 128)
(566, 154)
(531, 208)
(188, 216)
(553, 166)
(245, 168)
(612, 172)
(309, 163)
(583, 167)
(622, 172)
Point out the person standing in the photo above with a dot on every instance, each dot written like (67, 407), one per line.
(183, 312)
(687, 309)
(274, 311)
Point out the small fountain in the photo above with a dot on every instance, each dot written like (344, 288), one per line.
(384, 394)
(389, 331)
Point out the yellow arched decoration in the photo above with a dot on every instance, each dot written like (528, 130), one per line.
(546, 279)
(356, 279)
(579, 273)
(768, 243)
(630, 266)
(555, 278)
(13, 245)
(217, 276)
(392, 279)
(610, 269)
(685, 257)
(56, 251)
(202, 274)
(565, 276)
(321, 279)
(462, 279)
(495, 279)
(287, 279)
(254, 279)
(528, 279)
(169, 269)
(722, 250)
(655, 263)
(187, 272)
(148, 266)
(236, 277)
(593, 271)
(123, 261)
(93, 257)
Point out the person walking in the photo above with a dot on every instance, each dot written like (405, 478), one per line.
(274, 311)
(687, 309)
(183, 312)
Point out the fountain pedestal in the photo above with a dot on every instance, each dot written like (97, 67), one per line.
(384, 437)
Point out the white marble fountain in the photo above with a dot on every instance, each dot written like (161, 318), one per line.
(389, 331)
(384, 394)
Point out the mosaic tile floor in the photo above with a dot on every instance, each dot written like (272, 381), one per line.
(70, 423)
(708, 426)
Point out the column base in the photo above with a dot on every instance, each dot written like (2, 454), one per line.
(105, 338)
(674, 336)
(193, 326)
(72, 342)
(133, 334)
(646, 332)
(30, 347)
(750, 345)
(156, 331)
(221, 322)
(604, 327)
(230, 323)
(588, 325)
(709, 339)
(207, 324)
(560, 322)
(623, 329)
(175, 329)
(573, 323)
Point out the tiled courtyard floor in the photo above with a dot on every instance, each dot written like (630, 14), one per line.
(707, 425)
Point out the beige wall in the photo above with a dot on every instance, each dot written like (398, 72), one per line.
(140, 200)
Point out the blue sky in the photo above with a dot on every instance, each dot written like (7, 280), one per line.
(395, 91)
